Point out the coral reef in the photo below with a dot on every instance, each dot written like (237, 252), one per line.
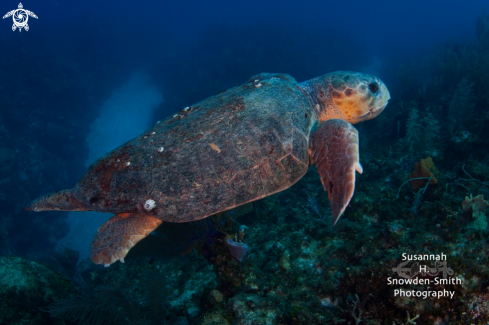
(26, 287)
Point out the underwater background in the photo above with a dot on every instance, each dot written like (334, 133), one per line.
(88, 76)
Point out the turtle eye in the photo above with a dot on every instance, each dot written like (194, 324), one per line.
(374, 87)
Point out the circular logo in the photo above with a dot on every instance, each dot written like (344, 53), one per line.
(20, 18)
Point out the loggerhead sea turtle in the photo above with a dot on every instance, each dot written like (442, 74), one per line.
(241, 145)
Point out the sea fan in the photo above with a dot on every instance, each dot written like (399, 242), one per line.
(461, 107)
(104, 306)
(431, 132)
(413, 130)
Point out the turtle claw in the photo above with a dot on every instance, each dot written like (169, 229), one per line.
(334, 150)
(119, 234)
(358, 167)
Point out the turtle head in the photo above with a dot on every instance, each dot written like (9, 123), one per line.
(350, 96)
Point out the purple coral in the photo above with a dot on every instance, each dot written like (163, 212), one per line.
(237, 250)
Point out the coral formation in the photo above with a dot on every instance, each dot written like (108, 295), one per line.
(461, 107)
(26, 286)
(474, 207)
(413, 129)
(236, 249)
(423, 168)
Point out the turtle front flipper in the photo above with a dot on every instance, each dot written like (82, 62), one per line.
(334, 150)
(119, 234)
(61, 200)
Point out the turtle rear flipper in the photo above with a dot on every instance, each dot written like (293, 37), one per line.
(63, 200)
(334, 150)
(119, 234)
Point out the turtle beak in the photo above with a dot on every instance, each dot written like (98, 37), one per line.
(374, 112)
(384, 97)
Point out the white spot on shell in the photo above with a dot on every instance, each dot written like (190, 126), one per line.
(118, 160)
(153, 133)
(128, 163)
(258, 85)
(176, 115)
(160, 149)
(149, 205)
(186, 108)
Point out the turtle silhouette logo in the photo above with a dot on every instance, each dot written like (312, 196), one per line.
(20, 17)
(416, 268)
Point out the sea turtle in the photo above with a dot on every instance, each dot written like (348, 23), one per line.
(20, 17)
(244, 144)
